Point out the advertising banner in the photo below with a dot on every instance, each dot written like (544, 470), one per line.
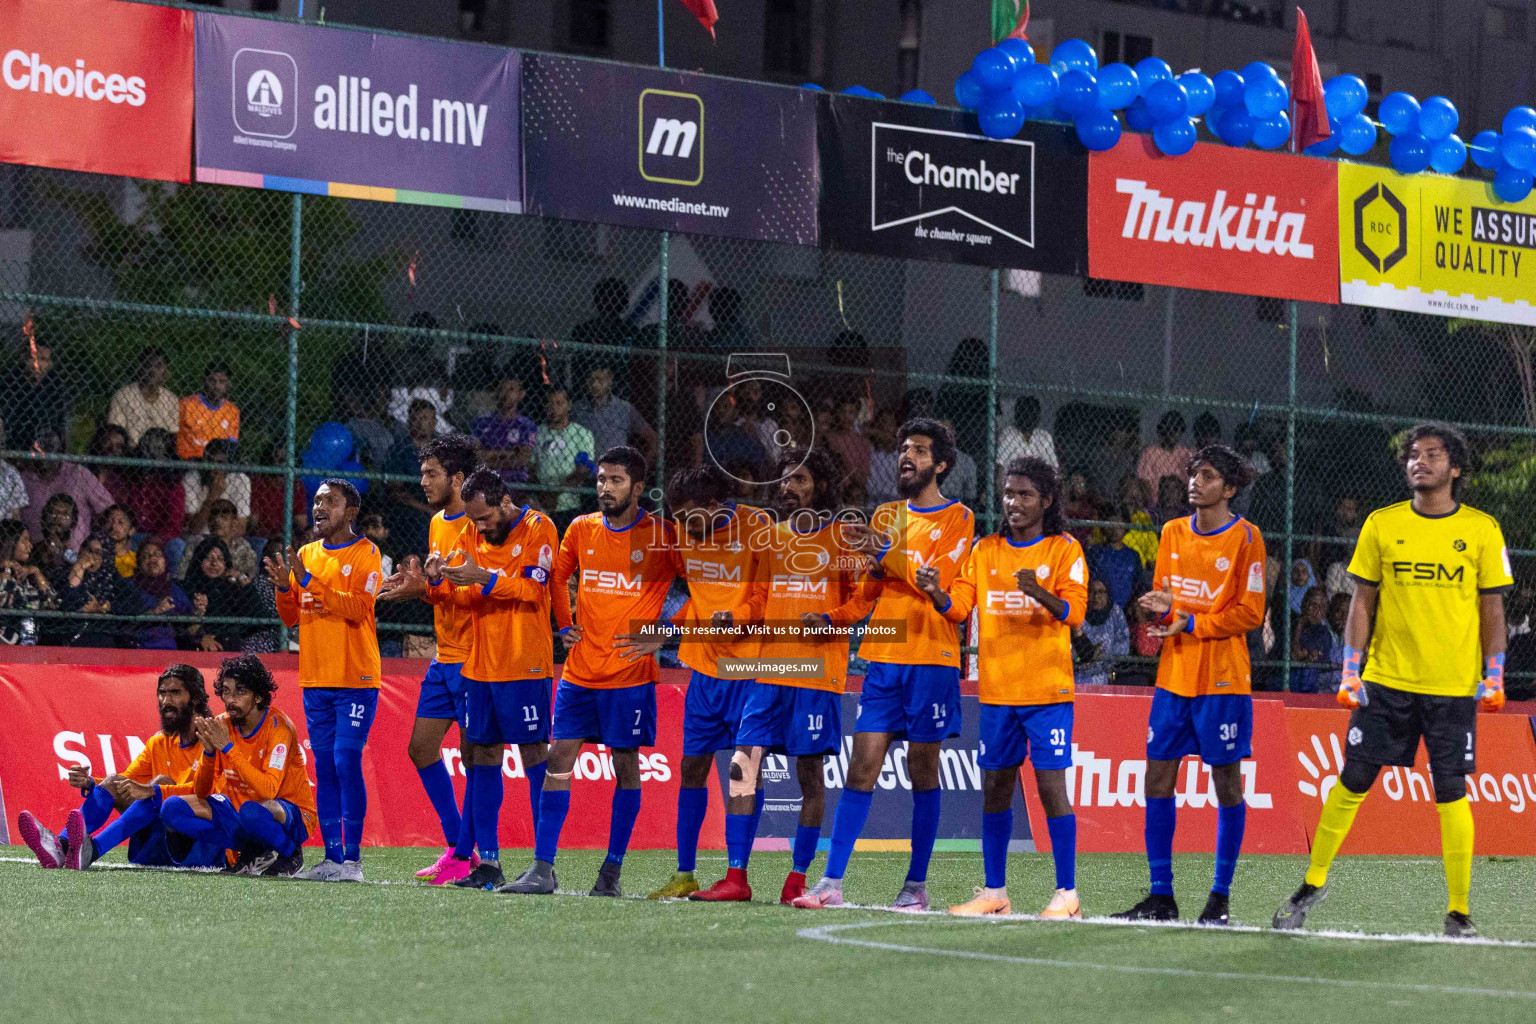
(1217, 218)
(1433, 244)
(329, 111)
(96, 85)
(913, 182)
(650, 148)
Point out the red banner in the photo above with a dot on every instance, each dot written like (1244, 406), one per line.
(1217, 218)
(96, 85)
(59, 715)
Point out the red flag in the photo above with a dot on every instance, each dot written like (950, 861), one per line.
(1309, 114)
(1021, 27)
(704, 10)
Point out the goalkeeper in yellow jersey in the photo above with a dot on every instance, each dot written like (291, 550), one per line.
(1431, 572)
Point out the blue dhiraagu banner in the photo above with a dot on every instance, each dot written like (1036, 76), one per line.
(330, 111)
(650, 148)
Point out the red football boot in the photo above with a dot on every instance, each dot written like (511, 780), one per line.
(794, 888)
(733, 888)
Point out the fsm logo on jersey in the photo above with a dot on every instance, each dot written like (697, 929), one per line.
(265, 92)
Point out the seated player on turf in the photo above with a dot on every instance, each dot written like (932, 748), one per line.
(622, 558)
(163, 768)
(1029, 586)
(1210, 593)
(721, 554)
(251, 792)
(1431, 573)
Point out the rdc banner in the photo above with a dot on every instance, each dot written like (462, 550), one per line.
(332, 111)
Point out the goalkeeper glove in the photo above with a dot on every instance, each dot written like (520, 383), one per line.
(1490, 691)
(1352, 693)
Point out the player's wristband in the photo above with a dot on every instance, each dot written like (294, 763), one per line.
(226, 748)
(305, 581)
(948, 604)
(1066, 610)
(1493, 668)
(1189, 627)
(566, 630)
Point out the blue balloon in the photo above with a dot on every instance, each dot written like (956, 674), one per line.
(1118, 86)
(918, 96)
(1035, 86)
(1265, 97)
(1167, 101)
(1213, 119)
(859, 90)
(968, 90)
(1019, 49)
(1151, 70)
(1199, 90)
(1255, 70)
(1328, 145)
(1399, 114)
(1438, 118)
(1511, 184)
(1236, 127)
(1229, 88)
(1357, 134)
(1448, 155)
(331, 444)
(812, 86)
(1098, 129)
(1410, 153)
(994, 68)
(1045, 113)
(1518, 148)
(1071, 54)
(1138, 118)
(1484, 149)
(1345, 96)
(1519, 117)
(1272, 132)
(1078, 93)
(1175, 137)
(1000, 116)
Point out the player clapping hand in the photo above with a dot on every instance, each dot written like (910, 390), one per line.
(279, 568)
(408, 583)
(467, 574)
(214, 732)
(1170, 622)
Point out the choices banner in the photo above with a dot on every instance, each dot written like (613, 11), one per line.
(649, 148)
(96, 85)
(1433, 244)
(1216, 218)
(338, 112)
(912, 182)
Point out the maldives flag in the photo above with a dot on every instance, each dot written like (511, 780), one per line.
(1010, 20)
(1309, 115)
(704, 10)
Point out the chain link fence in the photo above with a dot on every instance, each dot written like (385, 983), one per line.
(140, 315)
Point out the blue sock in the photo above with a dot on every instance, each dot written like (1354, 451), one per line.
(996, 832)
(925, 830)
(97, 808)
(140, 815)
(177, 815)
(1064, 849)
(439, 786)
(692, 805)
(354, 800)
(806, 838)
(535, 787)
(626, 808)
(328, 802)
(554, 805)
(847, 823)
(757, 815)
(1161, 817)
(256, 820)
(738, 839)
(485, 779)
(1230, 822)
(465, 846)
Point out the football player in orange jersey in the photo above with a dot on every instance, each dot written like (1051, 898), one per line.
(164, 764)
(1210, 592)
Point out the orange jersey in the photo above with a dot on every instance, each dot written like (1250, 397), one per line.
(725, 572)
(266, 765)
(1218, 579)
(196, 425)
(165, 755)
(332, 604)
(510, 614)
(451, 536)
(623, 576)
(1025, 652)
(939, 536)
(812, 572)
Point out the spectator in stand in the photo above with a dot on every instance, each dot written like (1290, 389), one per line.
(93, 586)
(966, 404)
(682, 335)
(1334, 555)
(610, 297)
(426, 381)
(1077, 505)
(960, 482)
(1338, 616)
(13, 491)
(844, 440)
(362, 411)
(268, 497)
(155, 495)
(407, 513)
(35, 401)
(53, 553)
(612, 420)
(1302, 580)
(757, 420)
(730, 332)
(1172, 498)
(506, 436)
(1117, 565)
(217, 591)
(562, 443)
(22, 584)
(47, 477)
(1266, 503)
(1169, 456)
(203, 487)
(1206, 430)
(1024, 438)
(146, 402)
(1250, 445)
(916, 404)
(360, 382)
(1311, 641)
(110, 440)
(727, 443)
(208, 415)
(118, 528)
(884, 459)
(159, 594)
(1106, 637)
(1115, 463)
(224, 522)
(374, 527)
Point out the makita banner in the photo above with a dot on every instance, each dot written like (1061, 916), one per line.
(922, 183)
(650, 148)
(330, 111)
(1217, 218)
(96, 85)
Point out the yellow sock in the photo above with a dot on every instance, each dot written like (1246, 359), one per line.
(1456, 849)
(1338, 815)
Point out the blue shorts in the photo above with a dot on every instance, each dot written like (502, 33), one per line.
(1217, 726)
(512, 712)
(621, 719)
(442, 692)
(918, 702)
(339, 716)
(795, 720)
(712, 710)
(1040, 732)
(186, 853)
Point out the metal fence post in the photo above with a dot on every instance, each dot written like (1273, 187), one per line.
(295, 246)
(1290, 499)
(990, 470)
(661, 371)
